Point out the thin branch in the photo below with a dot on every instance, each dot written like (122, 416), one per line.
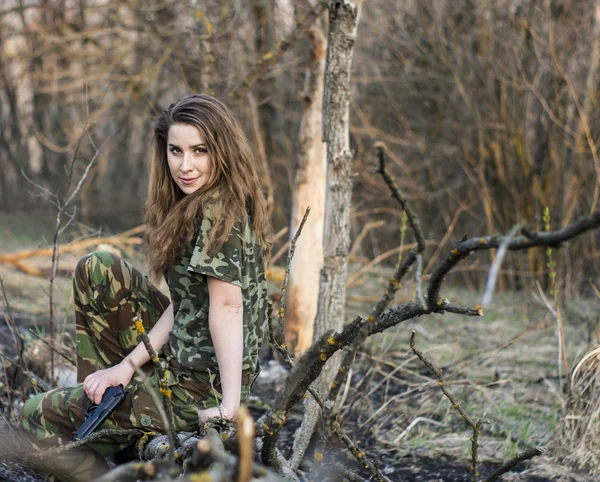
(359, 454)
(164, 390)
(526, 241)
(271, 58)
(475, 426)
(69, 221)
(289, 264)
(413, 219)
(53, 348)
(42, 188)
(508, 466)
(87, 169)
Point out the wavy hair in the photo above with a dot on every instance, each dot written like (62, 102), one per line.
(171, 215)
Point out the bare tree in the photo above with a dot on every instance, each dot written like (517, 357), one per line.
(309, 191)
(343, 24)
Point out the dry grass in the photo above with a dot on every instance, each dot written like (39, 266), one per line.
(501, 368)
(580, 430)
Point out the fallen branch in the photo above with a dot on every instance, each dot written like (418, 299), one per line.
(15, 259)
(512, 463)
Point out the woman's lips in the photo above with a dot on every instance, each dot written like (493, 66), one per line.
(188, 181)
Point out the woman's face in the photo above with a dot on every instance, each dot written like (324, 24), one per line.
(189, 161)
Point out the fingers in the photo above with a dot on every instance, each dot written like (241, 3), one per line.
(94, 387)
(207, 414)
(99, 391)
(86, 385)
(213, 412)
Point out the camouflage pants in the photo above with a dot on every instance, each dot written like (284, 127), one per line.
(108, 292)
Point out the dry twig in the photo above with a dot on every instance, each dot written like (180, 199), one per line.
(164, 389)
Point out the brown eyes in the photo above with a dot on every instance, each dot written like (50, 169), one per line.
(199, 150)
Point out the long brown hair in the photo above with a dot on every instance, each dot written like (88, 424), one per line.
(171, 215)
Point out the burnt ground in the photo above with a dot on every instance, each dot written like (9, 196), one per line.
(501, 368)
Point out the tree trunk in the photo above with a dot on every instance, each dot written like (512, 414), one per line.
(343, 22)
(309, 190)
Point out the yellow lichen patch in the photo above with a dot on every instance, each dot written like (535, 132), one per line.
(139, 326)
(323, 357)
(318, 456)
(166, 392)
(482, 241)
(34, 383)
(268, 55)
(331, 340)
(342, 369)
(394, 282)
(266, 427)
(155, 359)
(455, 252)
(225, 436)
(334, 384)
(303, 395)
(201, 477)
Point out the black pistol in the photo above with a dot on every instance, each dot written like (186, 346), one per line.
(96, 414)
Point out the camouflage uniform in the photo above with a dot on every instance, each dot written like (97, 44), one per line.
(238, 262)
(108, 291)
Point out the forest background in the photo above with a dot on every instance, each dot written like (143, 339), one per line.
(488, 109)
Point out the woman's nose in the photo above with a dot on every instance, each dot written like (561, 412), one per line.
(186, 163)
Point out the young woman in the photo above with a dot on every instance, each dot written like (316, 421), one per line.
(208, 234)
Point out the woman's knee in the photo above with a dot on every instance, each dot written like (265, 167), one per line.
(91, 268)
(53, 413)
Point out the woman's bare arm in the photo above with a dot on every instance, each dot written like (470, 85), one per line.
(226, 325)
(159, 335)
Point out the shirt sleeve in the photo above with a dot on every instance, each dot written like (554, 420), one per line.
(224, 264)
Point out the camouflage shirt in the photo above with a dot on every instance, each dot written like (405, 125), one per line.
(239, 261)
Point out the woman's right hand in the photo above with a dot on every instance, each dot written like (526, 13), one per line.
(96, 383)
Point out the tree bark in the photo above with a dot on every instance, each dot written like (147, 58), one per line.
(309, 190)
(343, 22)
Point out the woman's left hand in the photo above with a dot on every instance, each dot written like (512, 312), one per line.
(216, 412)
